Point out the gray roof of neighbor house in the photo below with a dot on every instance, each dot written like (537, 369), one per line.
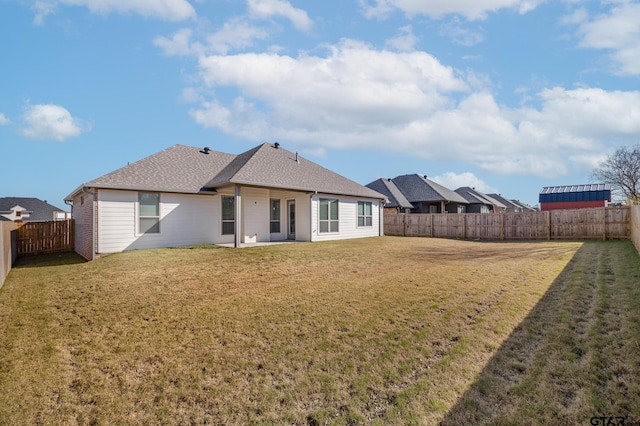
(38, 210)
(508, 203)
(390, 190)
(417, 188)
(477, 197)
(525, 206)
(186, 169)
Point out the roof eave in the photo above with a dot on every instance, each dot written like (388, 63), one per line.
(300, 189)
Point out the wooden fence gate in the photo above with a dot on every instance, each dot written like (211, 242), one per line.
(45, 237)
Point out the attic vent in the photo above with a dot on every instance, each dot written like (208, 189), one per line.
(276, 145)
(206, 150)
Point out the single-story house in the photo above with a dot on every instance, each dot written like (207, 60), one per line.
(29, 209)
(186, 196)
(479, 202)
(427, 196)
(575, 196)
(396, 201)
(525, 207)
(511, 205)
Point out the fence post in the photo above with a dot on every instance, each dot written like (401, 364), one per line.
(464, 225)
(548, 214)
(404, 225)
(431, 227)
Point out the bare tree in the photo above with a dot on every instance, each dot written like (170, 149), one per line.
(622, 171)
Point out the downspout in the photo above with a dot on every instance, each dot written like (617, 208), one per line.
(380, 219)
(310, 217)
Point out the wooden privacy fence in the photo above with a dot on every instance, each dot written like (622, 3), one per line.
(45, 237)
(609, 223)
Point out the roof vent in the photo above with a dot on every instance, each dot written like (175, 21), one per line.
(206, 149)
(276, 145)
(425, 176)
(297, 161)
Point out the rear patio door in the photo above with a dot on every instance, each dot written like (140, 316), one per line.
(291, 223)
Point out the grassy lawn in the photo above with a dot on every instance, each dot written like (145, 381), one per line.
(384, 331)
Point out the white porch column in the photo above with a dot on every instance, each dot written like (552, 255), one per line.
(237, 218)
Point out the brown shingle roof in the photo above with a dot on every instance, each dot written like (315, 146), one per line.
(273, 167)
(190, 170)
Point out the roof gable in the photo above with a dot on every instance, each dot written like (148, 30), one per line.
(273, 166)
(390, 190)
(418, 188)
(38, 210)
(477, 197)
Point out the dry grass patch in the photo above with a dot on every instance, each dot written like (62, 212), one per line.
(383, 330)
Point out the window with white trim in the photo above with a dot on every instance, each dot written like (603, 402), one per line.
(275, 216)
(149, 212)
(328, 215)
(365, 215)
(228, 215)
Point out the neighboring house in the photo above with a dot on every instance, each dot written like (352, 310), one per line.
(186, 196)
(525, 207)
(511, 206)
(397, 202)
(479, 202)
(23, 209)
(575, 196)
(426, 196)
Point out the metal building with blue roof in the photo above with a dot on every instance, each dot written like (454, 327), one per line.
(575, 196)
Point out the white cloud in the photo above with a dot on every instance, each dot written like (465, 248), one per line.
(357, 97)
(405, 41)
(4, 120)
(49, 121)
(179, 43)
(456, 180)
(265, 9)
(459, 34)
(170, 10)
(42, 9)
(470, 9)
(235, 34)
(618, 31)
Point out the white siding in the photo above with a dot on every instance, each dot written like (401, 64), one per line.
(347, 219)
(83, 213)
(185, 219)
(303, 217)
(255, 215)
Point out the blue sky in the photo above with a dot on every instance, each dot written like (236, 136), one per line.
(506, 96)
